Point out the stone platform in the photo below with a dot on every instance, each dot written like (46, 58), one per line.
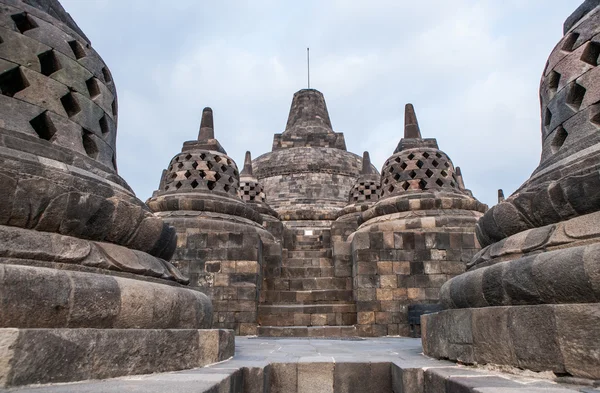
(321, 365)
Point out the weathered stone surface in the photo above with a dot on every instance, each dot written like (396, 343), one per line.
(222, 244)
(559, 338)
(40, 297)
(63, 355)
(315, 377)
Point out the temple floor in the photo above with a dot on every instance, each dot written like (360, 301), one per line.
(287, 365)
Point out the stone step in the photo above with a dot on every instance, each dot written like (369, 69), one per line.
(322, 253)
(307, 262)
(320, 296)
(302, 284)
(307, 331)
(334, 314)
(324, 308)
(307, 272)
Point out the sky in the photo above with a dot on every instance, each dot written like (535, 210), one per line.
(471, 69)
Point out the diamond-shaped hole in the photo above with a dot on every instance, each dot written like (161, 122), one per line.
(218, 158)
(202, 174)
(13, 81)
(396, 176)
(429, 172)
(103, 124)
(547, 117)
(411, 156)
(209, 165)
(93, 88)
(223, 168)
(590, 53)
(211, 184)
(560, 135)
(425, 155)
(569, 42)
(24, 22)
(420, 164)
(447, 164)
(230, 179)
(438, 155)
(188, 157)
(77, 49)
(202, 156)
(49, 63)
(444, 173)
(71, 105)
(178, 185)
(217, 176)
(188, 174)
(575, 96)
(553, 81)
(405, 185)
(89, 144)
(106, 75)
(180, 165)
(43, 126)
(195, 164)
(435, 163)
(174, 175)
(439, 182)
(403, 165)
(391, 188)
(227, 188)
(422, 184)
(194, 183)
(412, 174)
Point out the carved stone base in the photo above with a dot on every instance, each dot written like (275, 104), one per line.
(34, 356)
(563, 338)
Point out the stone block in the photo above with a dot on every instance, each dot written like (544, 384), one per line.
(352, 378)
(283, 377)
(315, 377)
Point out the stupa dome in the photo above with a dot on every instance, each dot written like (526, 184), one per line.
(309, 173)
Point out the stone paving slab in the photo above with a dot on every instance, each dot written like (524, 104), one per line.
(289, 365)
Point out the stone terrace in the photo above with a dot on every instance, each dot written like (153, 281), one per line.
(269, 365)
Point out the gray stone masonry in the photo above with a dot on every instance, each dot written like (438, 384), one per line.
(221, 243)
(86, 288)
(418, 234)
(530, 298)
(382, 365)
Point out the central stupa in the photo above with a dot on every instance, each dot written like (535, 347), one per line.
(308, 174)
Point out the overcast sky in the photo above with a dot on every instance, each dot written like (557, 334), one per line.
(471, 68)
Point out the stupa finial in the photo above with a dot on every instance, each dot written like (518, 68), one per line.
(366, 164)
(207, 130)
(500, 196)
(411, 126)
(247, 171)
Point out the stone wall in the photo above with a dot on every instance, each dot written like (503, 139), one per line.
(404, 265)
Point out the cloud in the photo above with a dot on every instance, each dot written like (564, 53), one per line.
(470, 67)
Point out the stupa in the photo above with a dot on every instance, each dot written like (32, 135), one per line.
(85, 284)
(221, 241)
(530, 298)
(420, 233)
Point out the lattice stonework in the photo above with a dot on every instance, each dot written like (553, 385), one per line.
(417, 170)
(58, 84)
(569, 92)
(365, 191)
(252, 191)
(202, 171)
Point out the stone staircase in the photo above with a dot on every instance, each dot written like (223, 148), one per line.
(307, 299)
